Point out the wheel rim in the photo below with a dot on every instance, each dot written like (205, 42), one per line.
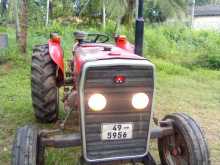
(175, 151)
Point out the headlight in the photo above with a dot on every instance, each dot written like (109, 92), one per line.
(140, 100)
(97, 102)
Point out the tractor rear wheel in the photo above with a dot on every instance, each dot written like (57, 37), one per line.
(25, 146)
(187, 146)
(45, 93)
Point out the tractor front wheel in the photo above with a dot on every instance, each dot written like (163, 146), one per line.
(45, 93)
(187, 146)
(25, 146)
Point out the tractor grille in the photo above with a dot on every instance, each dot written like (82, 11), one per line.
(118, 110)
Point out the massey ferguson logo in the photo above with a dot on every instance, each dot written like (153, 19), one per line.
(119, 79)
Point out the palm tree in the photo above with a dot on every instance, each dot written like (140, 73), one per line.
(126, 8)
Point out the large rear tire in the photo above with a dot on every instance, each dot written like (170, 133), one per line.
(45, 93)
(25, 146)
(187, 146)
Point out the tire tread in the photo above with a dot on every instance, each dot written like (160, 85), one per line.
(24, 149)
(194, 136)
(43, 84)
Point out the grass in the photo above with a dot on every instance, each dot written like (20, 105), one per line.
(179, 89)
(181, 45)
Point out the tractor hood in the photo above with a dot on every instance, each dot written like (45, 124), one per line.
(91, 52)
(94, 52)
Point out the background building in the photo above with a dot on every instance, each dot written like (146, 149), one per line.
(207, 17)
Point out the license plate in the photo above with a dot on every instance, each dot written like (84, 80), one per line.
(117, 131)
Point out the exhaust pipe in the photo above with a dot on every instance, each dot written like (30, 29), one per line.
(139, 29)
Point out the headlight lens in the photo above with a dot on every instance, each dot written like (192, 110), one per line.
(140, 100)
(97, 102)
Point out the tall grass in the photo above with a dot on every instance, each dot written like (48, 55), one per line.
(181, 45)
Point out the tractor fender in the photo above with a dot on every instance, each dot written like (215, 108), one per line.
(56, 54)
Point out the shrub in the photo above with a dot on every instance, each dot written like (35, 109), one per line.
(181, 45)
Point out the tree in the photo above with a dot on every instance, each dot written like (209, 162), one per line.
(4, 6)
(48, 12)
(172, 8)
(77, 7)
(17, 24)
(160, 10)
(23, 24)
(103, 14)
(67, 10)
(127, 19)
(153, 13)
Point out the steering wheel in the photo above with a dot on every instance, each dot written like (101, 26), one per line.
(97, 38)
(84, 37)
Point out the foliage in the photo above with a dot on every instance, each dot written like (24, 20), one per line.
(183, 46)
(154, 13)
(36, 12)
(116, 9)
(160, 10)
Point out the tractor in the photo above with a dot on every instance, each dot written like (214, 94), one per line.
(108, 96)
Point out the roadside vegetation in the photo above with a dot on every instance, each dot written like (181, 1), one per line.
(188, 80)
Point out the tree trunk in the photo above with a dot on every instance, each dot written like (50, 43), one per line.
(17, 20)
(47, 14)
(103, 14)
(51, 8)
(78, 7)
(129, 13)
(23, 18)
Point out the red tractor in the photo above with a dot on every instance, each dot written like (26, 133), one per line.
(108, 99)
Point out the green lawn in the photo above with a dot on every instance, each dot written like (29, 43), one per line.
(195, 92)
